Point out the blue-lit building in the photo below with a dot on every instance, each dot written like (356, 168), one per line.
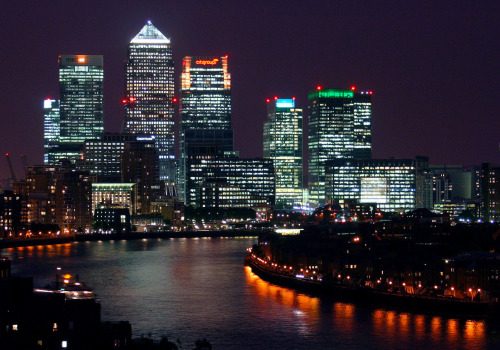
(283, 145)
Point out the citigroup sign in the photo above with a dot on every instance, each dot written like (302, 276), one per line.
(209, 62)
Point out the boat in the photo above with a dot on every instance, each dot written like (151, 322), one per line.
(70, 286)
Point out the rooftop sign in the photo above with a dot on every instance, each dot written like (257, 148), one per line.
(209, 62)
(331, 93)
(285, 103)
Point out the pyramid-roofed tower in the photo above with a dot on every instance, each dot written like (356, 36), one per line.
(150, 34)
(149, 90)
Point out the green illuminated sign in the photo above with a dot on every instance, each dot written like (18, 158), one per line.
(331, 93)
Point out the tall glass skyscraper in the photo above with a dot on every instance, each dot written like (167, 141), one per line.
(339, 127)
(81, 115)
(283, 144)
(205, 110)
(50, 128)
(149, 92)
(205, 93)
(362, 132)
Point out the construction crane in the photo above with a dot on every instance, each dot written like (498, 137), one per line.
(12, 174)
(25, 163)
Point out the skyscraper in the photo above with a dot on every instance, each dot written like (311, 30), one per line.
(362, 131)
(339, 127)
(50, 128)
(205, 110)
(149, 92)
(205, 93)
(81, 104)
(283, 144)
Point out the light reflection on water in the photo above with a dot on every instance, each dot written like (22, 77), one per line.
(195, 288)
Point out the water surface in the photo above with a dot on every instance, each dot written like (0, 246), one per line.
(199, 288)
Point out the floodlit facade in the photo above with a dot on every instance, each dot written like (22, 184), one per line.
(123, 195)
(81, 86)
(51, 129)
(283, 144)
(339, 127)
(149, 92)
(388, 183)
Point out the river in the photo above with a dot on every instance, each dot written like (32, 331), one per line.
(197, 288)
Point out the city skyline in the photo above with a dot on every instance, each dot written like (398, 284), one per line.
(431, 67)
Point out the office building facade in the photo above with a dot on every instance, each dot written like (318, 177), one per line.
(102, 157)
(149, 92)
(362, 131)
(248, 179)
(283, 145)
(81, 86)
(390, 184)
(141, 166)
(51, 129)
(339, 127)
(205, 109)
(489, 195)
(122, 195)
(205, 93)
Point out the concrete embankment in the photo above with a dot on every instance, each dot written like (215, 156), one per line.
(372, 298)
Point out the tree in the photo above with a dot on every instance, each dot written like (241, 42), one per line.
(202, 344)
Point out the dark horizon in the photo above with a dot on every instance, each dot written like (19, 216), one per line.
(433, 67)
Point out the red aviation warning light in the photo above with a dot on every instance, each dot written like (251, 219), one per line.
(353, 88)
(124, 101)
(132, 99)
(319, 87)
(293, 98)
(174, 99)
(268, 100)
(275, 97)
(371, 92)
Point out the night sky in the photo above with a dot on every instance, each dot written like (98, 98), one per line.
(434, 67)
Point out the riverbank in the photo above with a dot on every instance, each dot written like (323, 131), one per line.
(128, 236)
(371, 297)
